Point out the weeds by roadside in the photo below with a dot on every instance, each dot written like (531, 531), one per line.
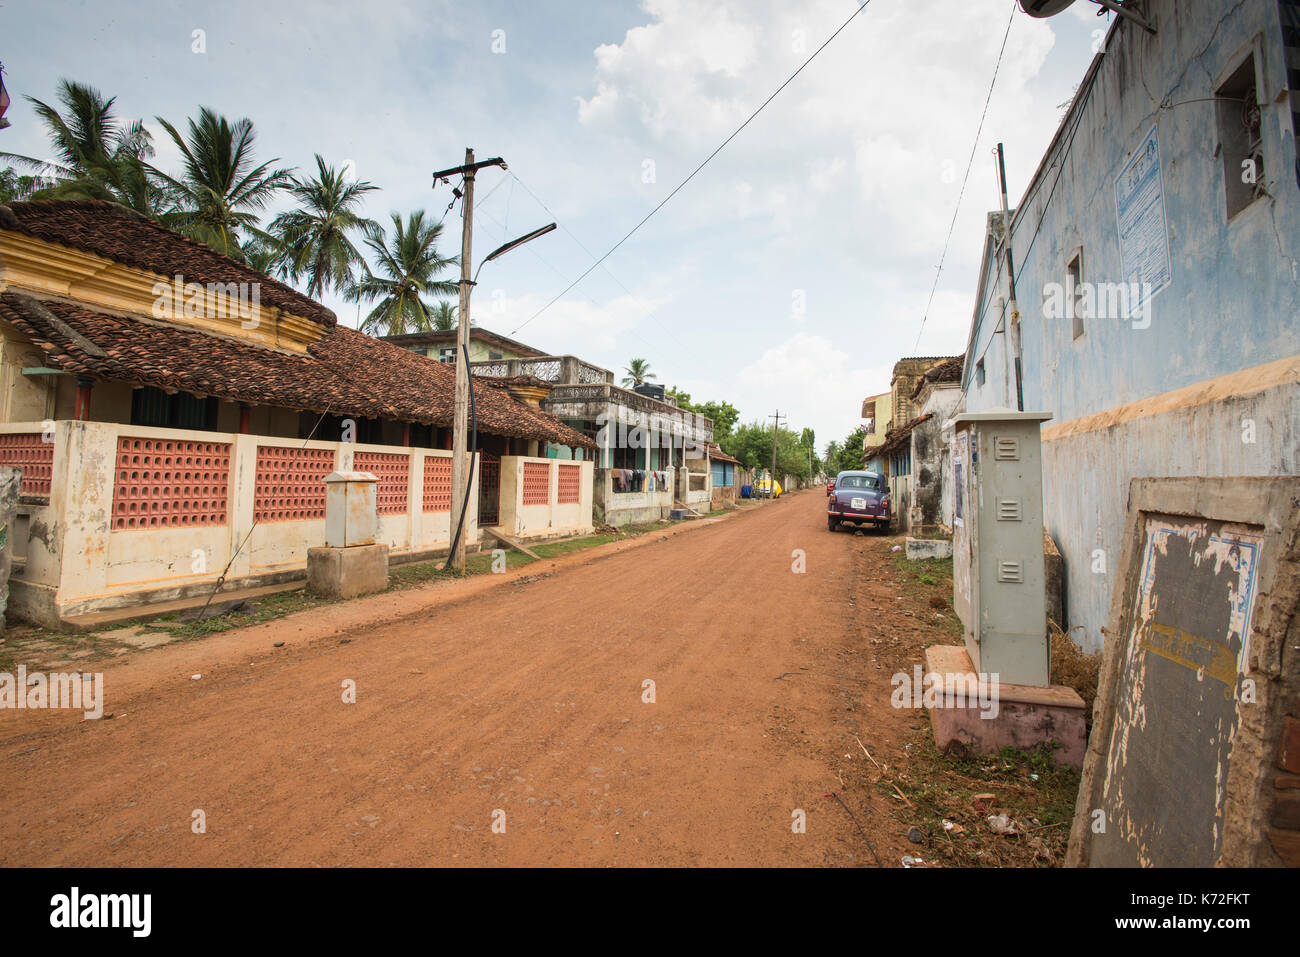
(939, 797)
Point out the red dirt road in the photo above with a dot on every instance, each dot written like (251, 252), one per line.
(526, 698)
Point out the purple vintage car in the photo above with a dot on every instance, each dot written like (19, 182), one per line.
(860, 498)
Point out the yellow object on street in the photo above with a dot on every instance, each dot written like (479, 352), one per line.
(763, 487)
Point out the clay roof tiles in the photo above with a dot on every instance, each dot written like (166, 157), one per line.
(124, 236)
(345, 373)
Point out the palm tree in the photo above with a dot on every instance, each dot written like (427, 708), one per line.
(219, 190)
(638, 373)
(406, 263)
(314, 238)
(443, 317)
(97, 156)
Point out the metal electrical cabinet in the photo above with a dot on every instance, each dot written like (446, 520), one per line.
(998, 573)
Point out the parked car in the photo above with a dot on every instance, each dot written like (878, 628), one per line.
(763, 488)
(859, 498)
(830, 486)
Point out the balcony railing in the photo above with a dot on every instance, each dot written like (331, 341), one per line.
(556, 369)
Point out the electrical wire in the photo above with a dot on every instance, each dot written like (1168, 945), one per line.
(678, 188)
(969, 164)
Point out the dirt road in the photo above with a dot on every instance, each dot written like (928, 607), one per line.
(525, 698)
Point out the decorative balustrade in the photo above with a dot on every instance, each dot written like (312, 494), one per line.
(557, 369)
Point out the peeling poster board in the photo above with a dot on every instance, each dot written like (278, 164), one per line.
(1166, 768)
(1143, 231)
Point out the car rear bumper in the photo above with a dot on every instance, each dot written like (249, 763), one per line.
(858, 518)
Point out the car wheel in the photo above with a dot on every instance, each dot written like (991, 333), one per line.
(831, 524)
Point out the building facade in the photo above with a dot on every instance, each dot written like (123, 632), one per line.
(1157, 250)
(174, 413)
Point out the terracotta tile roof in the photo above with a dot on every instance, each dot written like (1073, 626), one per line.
(949, 370)
(896, 438)
(345, 373)
(716, 453)
(124, 236)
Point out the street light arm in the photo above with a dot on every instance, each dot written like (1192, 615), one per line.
(502, 250)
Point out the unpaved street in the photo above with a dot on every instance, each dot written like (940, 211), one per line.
(526, 697)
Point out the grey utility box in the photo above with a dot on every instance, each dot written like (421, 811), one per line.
(998, 575)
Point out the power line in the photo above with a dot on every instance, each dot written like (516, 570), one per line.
(584, 248)
(1047, 202)
(969, 163)
(697, 169)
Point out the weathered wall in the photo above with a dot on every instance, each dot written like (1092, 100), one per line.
(543, 520)
(1194, 757)
(1231, 304)
(74, 561)
(931, 464)
(1087, 466)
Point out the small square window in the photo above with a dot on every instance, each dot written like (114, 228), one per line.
(1240, 138)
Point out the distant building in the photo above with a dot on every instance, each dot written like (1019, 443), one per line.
(887, 445)
(484, 345)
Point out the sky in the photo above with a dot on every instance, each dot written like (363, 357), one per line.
(790, 273)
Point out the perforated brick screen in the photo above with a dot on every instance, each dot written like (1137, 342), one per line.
(165, 483)
(35, 457)
(537, 483)
(569, 485)
(392, 470)
(289, 486)
(437, 483)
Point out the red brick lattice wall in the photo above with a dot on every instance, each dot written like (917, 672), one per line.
(569, 490)
(289, 486)
(437, 483)
(537, 483)
(35, 457)
(166, 483)
(392, 470)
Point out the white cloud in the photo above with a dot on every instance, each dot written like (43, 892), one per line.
(814, 381)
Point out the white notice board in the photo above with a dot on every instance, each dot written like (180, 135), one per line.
(1140, 211)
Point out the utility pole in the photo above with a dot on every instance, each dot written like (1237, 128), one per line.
(776, 421)
(1011, 320)
(460, 472)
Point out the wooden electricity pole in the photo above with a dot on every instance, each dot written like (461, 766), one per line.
(771, 486)
(460, 471)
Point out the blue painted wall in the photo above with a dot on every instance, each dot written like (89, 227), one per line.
(1233, 303)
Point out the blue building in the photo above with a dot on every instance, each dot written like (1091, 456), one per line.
(1156, 256)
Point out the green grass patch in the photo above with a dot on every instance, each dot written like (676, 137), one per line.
(267, 608)
(929, 581)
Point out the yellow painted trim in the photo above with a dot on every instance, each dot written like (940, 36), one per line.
(1271, 375)
(49, 269)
